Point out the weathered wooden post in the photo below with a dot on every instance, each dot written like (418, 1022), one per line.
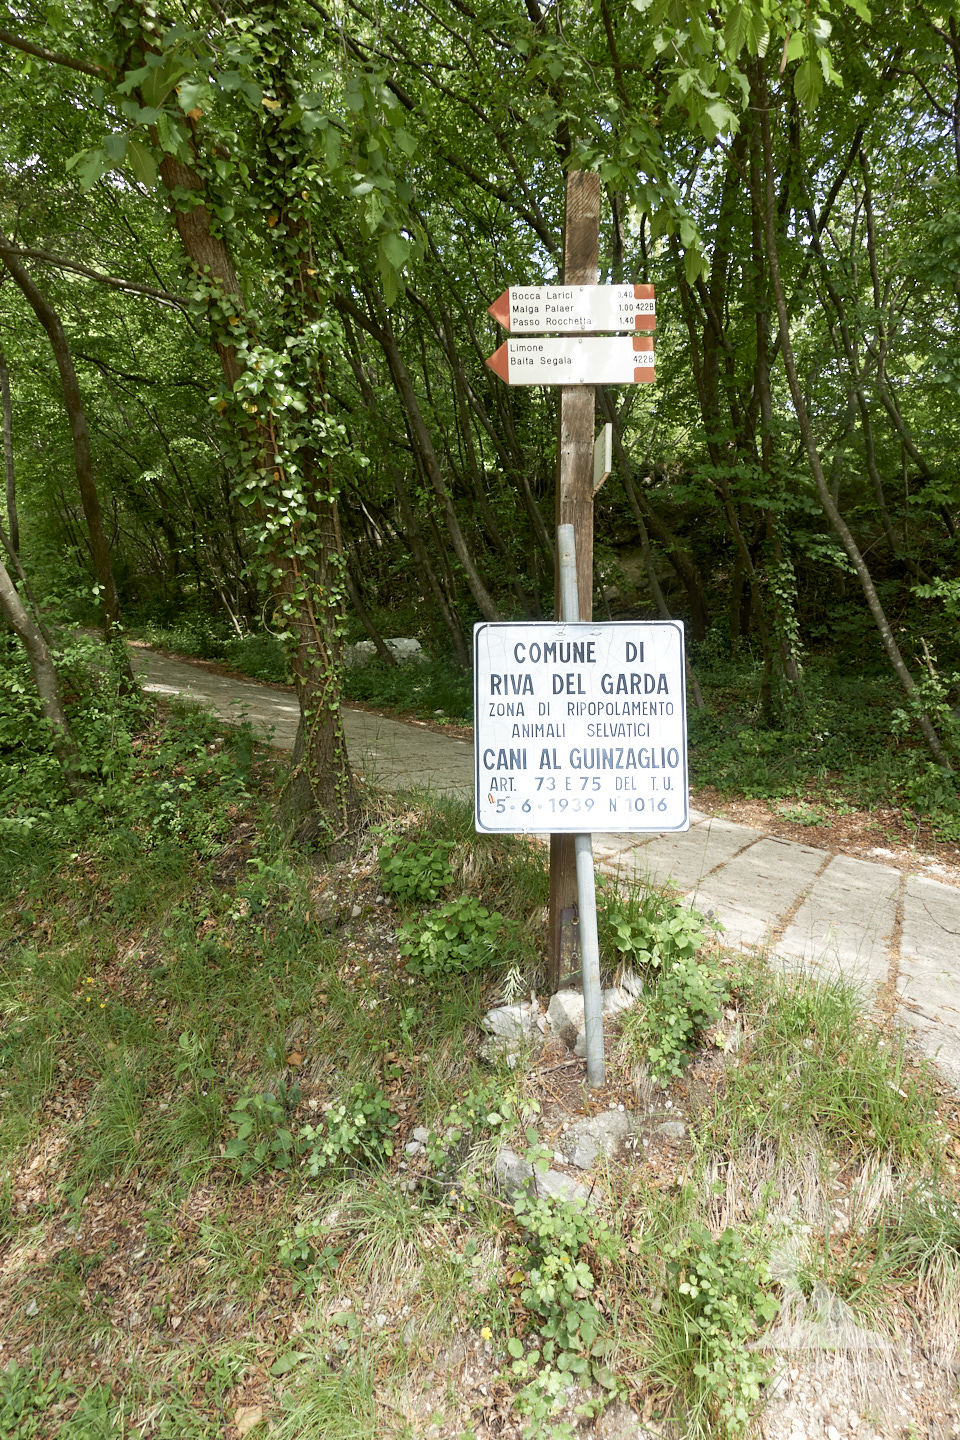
(581, 266)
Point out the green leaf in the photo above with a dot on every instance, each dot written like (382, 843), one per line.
(91, 166)
(331, 147)
(287, 1362)
(808, 83)
(187, 95)
(395, 249)
(735, 31)
(115, 146)
(142, 163)
(515, 1347)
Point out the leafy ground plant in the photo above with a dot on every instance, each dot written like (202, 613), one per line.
(684, 990)
(415, 872)
(457, 937)
(667, 1024)
(357, 1130)
(264, 1135)
(558, 1241)
(719, 1296)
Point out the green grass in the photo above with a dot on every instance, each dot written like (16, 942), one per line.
(810, 1065)
(160, 964)
(434, 689)
(844, 748)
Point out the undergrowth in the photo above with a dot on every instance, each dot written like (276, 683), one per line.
(246, 1143)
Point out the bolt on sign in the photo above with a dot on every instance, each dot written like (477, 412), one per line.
(580, 727)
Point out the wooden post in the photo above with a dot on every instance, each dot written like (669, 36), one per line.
(581, 266)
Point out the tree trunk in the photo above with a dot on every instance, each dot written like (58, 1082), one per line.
(897, 663)
(381, 646)
(13, 524)
(46, 678)
(420, 436)
(320, 803)
(73, 403)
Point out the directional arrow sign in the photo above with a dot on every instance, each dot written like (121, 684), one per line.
(531, 309)
(564, 360)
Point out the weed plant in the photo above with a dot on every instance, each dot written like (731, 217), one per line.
(814, 1067)
(414, 873)
(718, 1296)
(660, 940)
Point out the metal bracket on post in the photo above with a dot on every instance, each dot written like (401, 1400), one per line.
(583, 846)
(569, 961)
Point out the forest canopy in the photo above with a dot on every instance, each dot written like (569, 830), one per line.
(262, 241)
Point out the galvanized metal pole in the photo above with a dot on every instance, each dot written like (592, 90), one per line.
(583, 848)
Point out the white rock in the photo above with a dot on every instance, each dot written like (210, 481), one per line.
(565, 1012)
(672, 1129)
(512, 1022)
(616, 999)
(405, 652)
(513, 1174)
(597, 1135)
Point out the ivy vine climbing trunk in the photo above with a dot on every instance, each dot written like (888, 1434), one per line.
(274, 398)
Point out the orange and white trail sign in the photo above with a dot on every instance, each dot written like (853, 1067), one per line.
(575, 309)
(575, 360)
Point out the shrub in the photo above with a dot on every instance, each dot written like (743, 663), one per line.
(457, 937)
(414, 872)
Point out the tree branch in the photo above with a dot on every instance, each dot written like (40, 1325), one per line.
(85, 67)
(61, 263)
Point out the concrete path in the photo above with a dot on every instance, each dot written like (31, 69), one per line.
(897, 936)
(389, 752)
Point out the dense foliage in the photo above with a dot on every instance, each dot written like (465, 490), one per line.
(271, 237)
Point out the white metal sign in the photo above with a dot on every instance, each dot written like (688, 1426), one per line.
(580, 727)
(565, 360)
(531, 309)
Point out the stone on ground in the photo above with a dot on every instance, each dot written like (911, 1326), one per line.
(598, 1135)
(513, 1175)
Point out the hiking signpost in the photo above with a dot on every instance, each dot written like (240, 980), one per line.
(578, 727)
(575, 309)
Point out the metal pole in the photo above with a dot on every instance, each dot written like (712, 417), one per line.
(583, 847)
